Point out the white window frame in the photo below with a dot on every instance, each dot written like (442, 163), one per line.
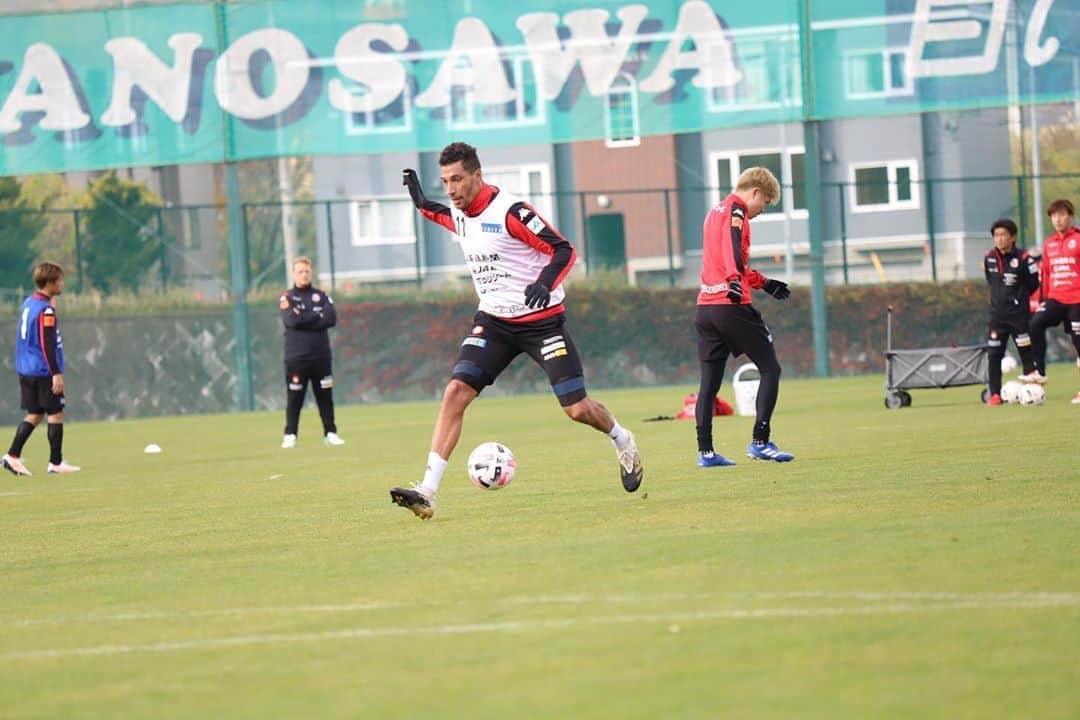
(889, 90)
(368, 125)
(787, 191)
(544, 204)
(894, 202)
(726, 98)
(623, 85)
(358, 240)
(463, 78)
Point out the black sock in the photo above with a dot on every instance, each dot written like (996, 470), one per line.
(22, 434)
(761, 432)
(56, 443)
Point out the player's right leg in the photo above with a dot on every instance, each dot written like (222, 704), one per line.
(484, 354)
(996, 337)
(57, 464)
(296, 381)
(1050, 313)
(712, 356)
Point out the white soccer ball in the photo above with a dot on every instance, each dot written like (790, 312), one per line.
(1032, 394)
(1008, 364)
(491, 466)
(1010, 391)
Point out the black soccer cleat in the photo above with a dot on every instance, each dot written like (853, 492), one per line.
(630, 470)
(419, 502)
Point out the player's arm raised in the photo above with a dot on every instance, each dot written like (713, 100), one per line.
(525, 224)
(433, 211)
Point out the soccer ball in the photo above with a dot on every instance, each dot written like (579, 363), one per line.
(1008, 364)
(1032, 394)
(491, 466)
(1010, 391)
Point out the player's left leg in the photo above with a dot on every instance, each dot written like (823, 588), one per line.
(550, 345)
(1073, 326)
(322, 385)
(713, 352)
(54, 409)
(757, 342)
(296, 380)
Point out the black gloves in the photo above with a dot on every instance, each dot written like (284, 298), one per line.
(777, 288)
(410, 180)
(734, 291)
(537, 295)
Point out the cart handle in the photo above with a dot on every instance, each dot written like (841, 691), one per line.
(888, 331)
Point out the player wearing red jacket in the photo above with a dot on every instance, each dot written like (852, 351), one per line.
(1060, 282)
(726, 322)
(518, 262)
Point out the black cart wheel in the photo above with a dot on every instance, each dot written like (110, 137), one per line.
(893, 400)
(905, 397)
(985, 396)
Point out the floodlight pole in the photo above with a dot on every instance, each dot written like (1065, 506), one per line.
(814, 204)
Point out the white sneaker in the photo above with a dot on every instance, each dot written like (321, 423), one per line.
(630, 470)
(288, 442)
(14, 465)
(63, 467)
(1033, 377)
(333, 439)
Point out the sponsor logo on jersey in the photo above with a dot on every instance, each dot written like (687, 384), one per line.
(315, 297)
(478, 342)
(561, 352)
(491, 227)
(283, 303)
(478, 330)
(552, 339)
(1014, 263)
(993, 334)
(524, 213)
(327, 382)
(536, 225)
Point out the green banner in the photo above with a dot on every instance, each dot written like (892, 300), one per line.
(192, 83)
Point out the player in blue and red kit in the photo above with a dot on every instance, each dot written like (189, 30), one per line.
(39, 361)
(518, 262)
(727, 324)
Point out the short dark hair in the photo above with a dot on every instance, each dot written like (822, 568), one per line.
(1006, 223)
(1059, 205)
(460, 152)
(46, 273)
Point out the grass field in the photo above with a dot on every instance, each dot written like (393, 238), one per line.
(909, 564)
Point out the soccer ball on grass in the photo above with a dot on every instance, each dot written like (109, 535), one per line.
(491, 466)
(1032, 394)
(1010, 391)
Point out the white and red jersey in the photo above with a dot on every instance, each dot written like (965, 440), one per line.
(725, 248)
(507, 247)
(1060, 272)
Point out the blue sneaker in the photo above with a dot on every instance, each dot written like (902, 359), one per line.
(767, 451)
(711, 459)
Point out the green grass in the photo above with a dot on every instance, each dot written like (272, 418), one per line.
(909, 564)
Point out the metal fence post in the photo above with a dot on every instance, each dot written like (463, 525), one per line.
(932, 236)
(163, 255)
(843, 230)
(330, 244)
(670, 247)
(1021, 201)
(584, 234)
(78, 253)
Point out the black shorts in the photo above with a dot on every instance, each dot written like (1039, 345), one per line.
(724, 330)
(1001, 326)
(494, 343)
(317, 371)
(1054, 312)
(38, 397)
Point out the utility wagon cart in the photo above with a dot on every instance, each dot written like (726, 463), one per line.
(930, 368)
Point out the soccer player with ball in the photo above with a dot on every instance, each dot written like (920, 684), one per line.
(518, 263)
(1061, 287)
(1012, 276)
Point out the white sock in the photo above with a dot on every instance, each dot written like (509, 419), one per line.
(436, 466)
(619, 435)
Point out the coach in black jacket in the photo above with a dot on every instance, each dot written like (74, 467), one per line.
(1012, 276)
(307, 313)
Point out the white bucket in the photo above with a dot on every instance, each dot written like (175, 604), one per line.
(746, 389)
